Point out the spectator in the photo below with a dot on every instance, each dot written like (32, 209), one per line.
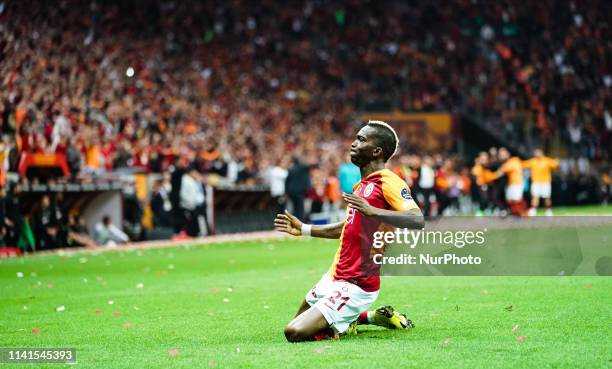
(46, 226)
(348, 175)
(276, 177)
(77, 233)
(193, 203)
(14, 219)
(161, 206)
(107, 234)
(297, 185)
(132, 214)
(426, 194)
(3, 217)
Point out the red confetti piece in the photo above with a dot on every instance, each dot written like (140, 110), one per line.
(214, 290)
(521, 338)
(116, 313)
(173, 352)
(35, 331)
(590, 285)
(98, 312)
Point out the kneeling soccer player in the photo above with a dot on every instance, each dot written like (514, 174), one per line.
(380, 201)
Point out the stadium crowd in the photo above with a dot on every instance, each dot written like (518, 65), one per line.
(234, 89)
(243, 84)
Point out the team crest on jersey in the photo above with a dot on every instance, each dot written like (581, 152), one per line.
(405, 194)
(368, 190)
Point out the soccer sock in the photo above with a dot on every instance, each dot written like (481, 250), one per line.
(516, 207)
(365, 317)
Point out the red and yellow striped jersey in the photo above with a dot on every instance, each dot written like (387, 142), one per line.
(354, 259)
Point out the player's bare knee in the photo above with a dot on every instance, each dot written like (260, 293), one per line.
(293, 334)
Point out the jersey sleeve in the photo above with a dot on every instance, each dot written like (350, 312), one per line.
(553, 163)
(397, 194)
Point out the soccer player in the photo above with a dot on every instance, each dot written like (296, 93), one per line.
(381, 200)
(479, 171)
(512, 168)
(541, 178)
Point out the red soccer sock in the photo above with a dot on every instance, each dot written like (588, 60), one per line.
(363, 318)
(516, 207)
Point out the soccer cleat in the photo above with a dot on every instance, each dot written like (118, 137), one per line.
(386, 316)
(352, 329)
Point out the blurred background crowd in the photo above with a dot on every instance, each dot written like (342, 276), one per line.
(241, 92)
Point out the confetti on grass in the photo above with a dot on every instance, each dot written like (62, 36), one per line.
(98, 312)
(322, 349)
(445, 341)
(60, 308)
(35, 331)
(173, 352)
(116, 313)
(521, 338)
(515, 329)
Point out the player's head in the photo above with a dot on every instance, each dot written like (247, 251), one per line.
(538, 153)
(504, 154)
(106, 220)
(376, 141)
(483, 158)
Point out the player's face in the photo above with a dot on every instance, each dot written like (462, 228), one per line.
(363, 148)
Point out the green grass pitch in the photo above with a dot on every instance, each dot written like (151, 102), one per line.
(225, 306)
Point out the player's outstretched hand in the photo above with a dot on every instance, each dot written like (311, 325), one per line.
(359, 204)
(288, 223)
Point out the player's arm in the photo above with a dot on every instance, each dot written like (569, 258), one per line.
(289, 224)
(501, 171)
(411, 219)
(553, 163)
